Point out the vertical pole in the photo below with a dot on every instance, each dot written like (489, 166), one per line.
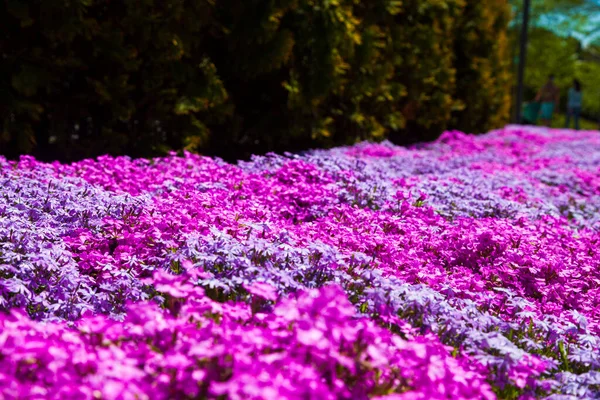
(522, 56)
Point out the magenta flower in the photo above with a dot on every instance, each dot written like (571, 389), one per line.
(262, 290)
(465, 268)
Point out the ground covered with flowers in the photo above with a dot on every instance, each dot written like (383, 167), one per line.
(468, 268)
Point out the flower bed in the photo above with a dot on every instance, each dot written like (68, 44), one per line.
(465, 268)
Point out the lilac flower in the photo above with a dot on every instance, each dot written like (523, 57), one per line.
(467, 267)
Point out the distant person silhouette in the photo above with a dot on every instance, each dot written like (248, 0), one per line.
(549, 96)
(574, 103)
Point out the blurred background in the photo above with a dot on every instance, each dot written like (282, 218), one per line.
(564, 40)
(231, 78)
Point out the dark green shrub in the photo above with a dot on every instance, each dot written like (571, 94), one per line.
(235, 77)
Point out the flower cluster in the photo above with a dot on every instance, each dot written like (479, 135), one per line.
(464, 268)
(309, 345)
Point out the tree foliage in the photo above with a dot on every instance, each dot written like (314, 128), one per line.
(483, 66)
(567, 16)
(549, 53)
(85, 77)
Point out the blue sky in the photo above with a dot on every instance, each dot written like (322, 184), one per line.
(554, 22)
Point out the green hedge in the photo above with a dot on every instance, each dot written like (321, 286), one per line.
(483, 66)
(81, 78)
